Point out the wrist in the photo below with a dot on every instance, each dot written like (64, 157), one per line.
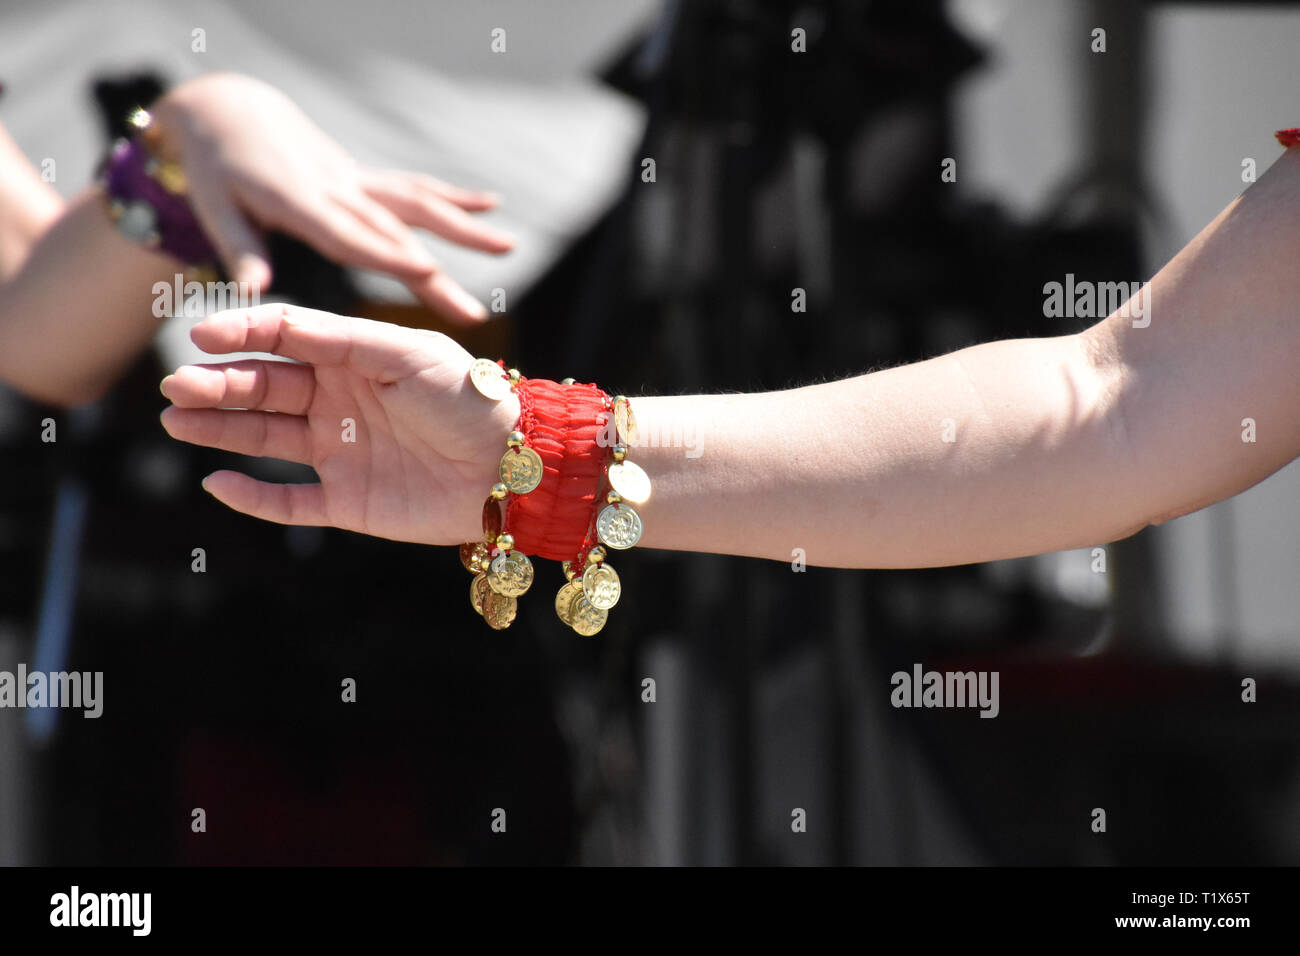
(148, 196)
(668, 447)
(502, 418)
(164, 134)
(568, 426)
(178, 126)
(566, 491)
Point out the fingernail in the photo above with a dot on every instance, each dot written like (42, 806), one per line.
(162, 386)
(468, 304)
(204, 484)
(252, 270)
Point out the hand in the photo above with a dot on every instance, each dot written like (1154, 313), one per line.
(255, 161)
(426, 444)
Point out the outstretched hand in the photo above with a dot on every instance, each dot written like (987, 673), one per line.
(405, 447)
(255, 161)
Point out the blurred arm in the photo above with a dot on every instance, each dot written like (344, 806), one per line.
(28, 205)
(75, 296)
(253, 162)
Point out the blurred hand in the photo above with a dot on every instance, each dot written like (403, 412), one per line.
(255, 161)
(427, 444)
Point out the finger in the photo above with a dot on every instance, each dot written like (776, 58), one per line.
(257, 434)
(268, 386)
(445, 296)
(378, 218)
(439, 216)
(334, 232)
(238, 244)
(471, 200)
(376, 350)
(283, 504)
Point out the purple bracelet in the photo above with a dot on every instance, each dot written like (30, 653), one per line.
(146, 212)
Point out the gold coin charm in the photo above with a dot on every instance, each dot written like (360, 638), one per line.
(619, 526)
(630, 481)
(585, 617)
(510, 574)
(478, 592)
(600, 585)
(472, 556)
(564, 599)
(499, 611)
(488, 378)
(502, 573)
(521, 470)
(624, 421)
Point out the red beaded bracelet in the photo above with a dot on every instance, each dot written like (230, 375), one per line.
(1288, 137)
(566, 459)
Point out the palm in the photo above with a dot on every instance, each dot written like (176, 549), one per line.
(388, 463)
(402, 446)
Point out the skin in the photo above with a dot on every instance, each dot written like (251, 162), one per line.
(1061, 442)
(253, 162)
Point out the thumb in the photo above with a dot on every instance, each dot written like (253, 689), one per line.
(238, 243)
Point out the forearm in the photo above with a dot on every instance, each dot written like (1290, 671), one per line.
(990, 452)
(1055, 443)
(28, 206)
(80, 308)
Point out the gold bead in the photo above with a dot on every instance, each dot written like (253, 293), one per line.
(505, 541)
(515, 439)
(596, 555)
(499, 490)
(171, 177)
(567, 381)
(613, 497)
(567, 568)
(620, 451)
(514, 375)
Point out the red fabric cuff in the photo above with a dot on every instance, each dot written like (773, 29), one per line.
(562, 423)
